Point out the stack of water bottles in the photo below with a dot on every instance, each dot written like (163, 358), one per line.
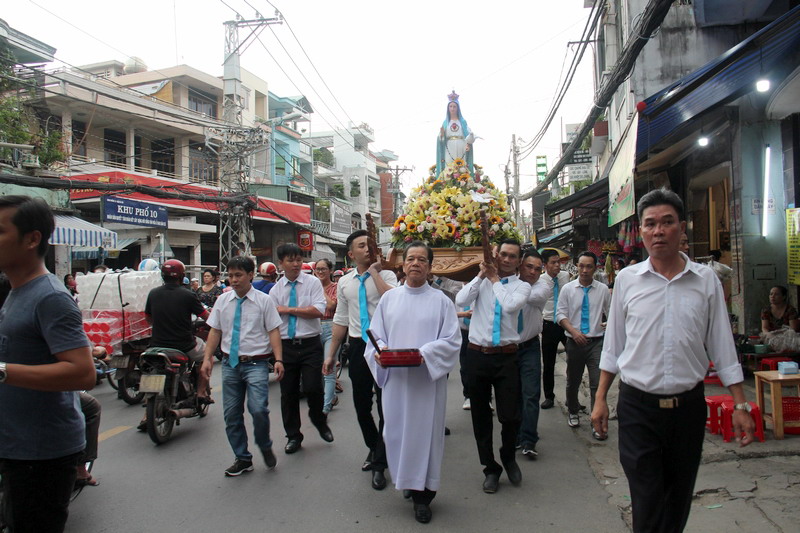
(112, 304)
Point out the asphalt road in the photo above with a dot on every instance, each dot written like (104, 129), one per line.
(180, 486)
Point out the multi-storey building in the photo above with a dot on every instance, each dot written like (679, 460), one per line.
(709, 110)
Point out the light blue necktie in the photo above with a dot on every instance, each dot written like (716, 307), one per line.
(585, 311)
(498, 315)
(233, 355)
(466, 320)
(292, 303)
(363, 306)
(520, 322)
(555, 298)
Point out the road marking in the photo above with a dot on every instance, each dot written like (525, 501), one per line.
(111, 432)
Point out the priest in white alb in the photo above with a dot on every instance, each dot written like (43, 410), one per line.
(415, 315)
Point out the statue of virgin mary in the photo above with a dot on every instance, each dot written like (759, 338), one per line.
(455, 138)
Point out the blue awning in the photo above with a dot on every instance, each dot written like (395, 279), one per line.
(89, 252)
(720, 81)
(73, 231)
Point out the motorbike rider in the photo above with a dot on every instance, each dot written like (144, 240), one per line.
(269, 273)
(169, 309)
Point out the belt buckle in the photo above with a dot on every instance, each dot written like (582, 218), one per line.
(667, 403)
(296, 341)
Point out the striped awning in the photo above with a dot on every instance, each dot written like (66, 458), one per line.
(73, 231)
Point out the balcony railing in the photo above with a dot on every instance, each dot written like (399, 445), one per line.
(81, 160)
(321, 226)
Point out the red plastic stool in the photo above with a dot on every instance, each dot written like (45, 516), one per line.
(714, 404)
(727, 421)
(771, 363)
(791, 413)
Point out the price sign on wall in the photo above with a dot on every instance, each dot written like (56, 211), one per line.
(793, 245)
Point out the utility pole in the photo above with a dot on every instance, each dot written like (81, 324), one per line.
(395, 191)
(515, 163)
(238, 143)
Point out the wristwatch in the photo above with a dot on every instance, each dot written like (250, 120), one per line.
(743, 407)
(3, 373)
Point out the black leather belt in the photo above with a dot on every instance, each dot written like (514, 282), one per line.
(590, 339)
(664, 401)
(507, 348)
(301, 342)
(249, 358)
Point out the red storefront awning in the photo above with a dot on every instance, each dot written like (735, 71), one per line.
(298, 213)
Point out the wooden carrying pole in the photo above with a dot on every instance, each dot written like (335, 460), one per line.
(487, 250)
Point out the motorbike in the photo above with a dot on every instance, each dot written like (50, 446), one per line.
(127, 374)
(167, 380)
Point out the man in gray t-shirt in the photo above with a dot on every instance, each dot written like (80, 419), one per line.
(43, 353)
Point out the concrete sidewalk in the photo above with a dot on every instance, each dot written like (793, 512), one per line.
(755, 488)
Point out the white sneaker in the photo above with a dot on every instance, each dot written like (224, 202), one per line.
(573, 421)
(466, 406)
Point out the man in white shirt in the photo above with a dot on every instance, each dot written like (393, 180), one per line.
(247, 324)
(357, 294)
(415, 399)
(667, 319)
(496, 296)
(530, 357)
(582, 308)
(300, 301)
(552, 333)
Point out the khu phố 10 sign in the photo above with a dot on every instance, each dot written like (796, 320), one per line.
(127, 211)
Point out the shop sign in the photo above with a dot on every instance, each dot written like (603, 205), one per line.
(793, 245)
(621, 203)
(305, 240)
(134, 212)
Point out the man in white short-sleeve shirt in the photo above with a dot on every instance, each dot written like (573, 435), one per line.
(246, 323)
(300, 301)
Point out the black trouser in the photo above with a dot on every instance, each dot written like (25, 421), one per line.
(552, 334)
(301, 362)
(91, 412)
(423, 496)
(660, 451)
(363, 388)
(461, 361)
(501, 371)
(37, 493)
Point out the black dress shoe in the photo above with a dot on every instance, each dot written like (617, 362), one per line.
(406, 494)
(378, 480)
(367, 466)
(422, 513)
(490, 483)
(513, 472)
(292, 446)
(325, 433)
(548, 404)
(446, 431)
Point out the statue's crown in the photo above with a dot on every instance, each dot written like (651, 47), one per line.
(453, 97)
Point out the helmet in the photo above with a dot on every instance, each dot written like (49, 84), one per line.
(173, 268)
(338, 273)
(267, 269)
(307, 267)
(148, 265)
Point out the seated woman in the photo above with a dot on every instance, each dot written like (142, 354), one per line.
(779, 313)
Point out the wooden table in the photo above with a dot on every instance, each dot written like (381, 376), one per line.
(775, 381)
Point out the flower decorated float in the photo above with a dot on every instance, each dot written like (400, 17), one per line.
(445, 210)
